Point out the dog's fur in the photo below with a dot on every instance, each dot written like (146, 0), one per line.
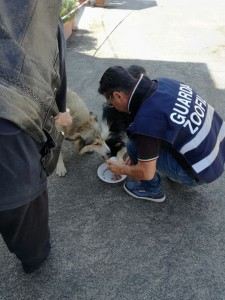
(85, 131)
(116, 122)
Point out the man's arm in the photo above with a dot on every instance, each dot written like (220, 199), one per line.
(147, 153)
(143, 170)
(63, 119)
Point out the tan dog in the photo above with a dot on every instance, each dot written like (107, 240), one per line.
(85, 132)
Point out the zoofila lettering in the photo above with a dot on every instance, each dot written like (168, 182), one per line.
(181, 111)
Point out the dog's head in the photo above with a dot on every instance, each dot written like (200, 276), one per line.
(115, 144)
(115, 140)
(136, 71)
(88, 137)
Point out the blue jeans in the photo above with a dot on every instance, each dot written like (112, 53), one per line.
(166, 164)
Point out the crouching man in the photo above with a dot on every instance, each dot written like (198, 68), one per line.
(174, 131)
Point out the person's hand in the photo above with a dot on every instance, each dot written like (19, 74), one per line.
(128, 161)
(115, 167)
(63, 119)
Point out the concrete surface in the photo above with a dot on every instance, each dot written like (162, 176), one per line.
(105, 244)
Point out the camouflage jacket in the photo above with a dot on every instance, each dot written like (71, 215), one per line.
(30, 65)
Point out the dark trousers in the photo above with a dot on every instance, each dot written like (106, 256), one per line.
(26, 233)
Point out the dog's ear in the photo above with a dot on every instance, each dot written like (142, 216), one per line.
(93, 116)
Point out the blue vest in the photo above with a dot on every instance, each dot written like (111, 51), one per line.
(177, 115)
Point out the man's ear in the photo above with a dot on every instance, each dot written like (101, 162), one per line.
(116, 95)
(122, 97)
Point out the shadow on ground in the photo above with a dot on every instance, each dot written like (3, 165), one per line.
(107, 245)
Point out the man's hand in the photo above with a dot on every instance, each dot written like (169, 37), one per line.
(128, 161)
(63, 119)
(115, 167)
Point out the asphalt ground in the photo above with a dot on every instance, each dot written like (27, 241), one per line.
(105, 244)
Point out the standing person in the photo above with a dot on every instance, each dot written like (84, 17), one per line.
(174, 131)
(32, 99)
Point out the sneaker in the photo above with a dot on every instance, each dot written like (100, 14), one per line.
(136, 190)
(171, 179)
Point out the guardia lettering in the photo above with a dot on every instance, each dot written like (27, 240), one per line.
(180, 114)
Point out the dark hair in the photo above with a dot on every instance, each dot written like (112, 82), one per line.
(136, 71)
(116, 79)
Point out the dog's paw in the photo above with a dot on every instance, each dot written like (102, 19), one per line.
(61, 171)
(60, 167)
(86, 149)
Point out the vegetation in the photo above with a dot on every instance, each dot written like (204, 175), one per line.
(68, 9)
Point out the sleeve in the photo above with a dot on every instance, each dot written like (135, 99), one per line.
(61, 92)
(147, 147)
